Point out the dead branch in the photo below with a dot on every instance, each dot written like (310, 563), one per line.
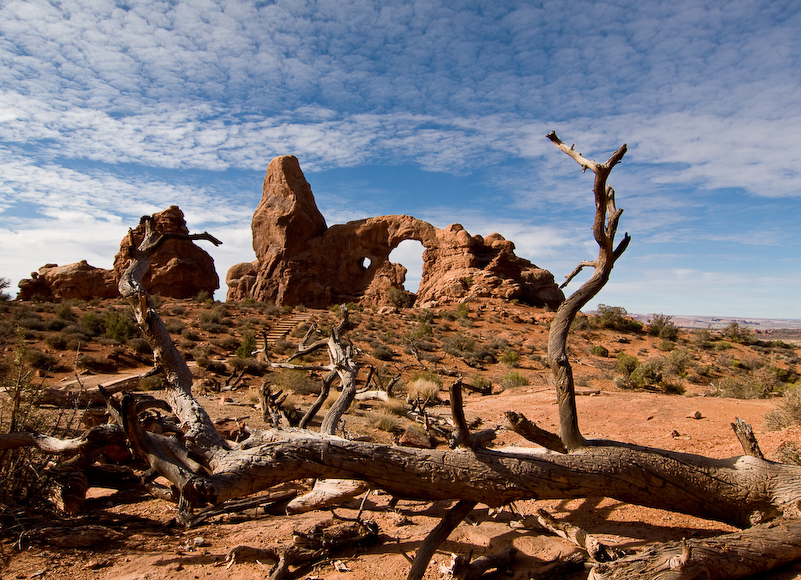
(597, 550)
(438, 535)
(604, 229)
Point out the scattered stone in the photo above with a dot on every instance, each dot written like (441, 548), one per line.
(696, 415)
(200, 542)
(413, 437)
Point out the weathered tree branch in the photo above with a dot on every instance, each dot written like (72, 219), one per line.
(604, 229)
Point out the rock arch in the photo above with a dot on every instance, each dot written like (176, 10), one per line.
(301, 261)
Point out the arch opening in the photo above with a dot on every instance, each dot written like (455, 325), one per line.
(409, 254)
(365, 263)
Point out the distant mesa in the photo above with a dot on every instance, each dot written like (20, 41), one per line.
(300, 260)
(180, 269)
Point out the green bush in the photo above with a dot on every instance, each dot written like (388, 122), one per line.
(247, 346)
(140, 346)
(38, 359)
(383, 352)
(398, 297)
(736, 333)
(92, 324)
(510, 358)
(56, 341)
(647, 374)
(663, 326)
(119, 326)
(65, 312)
(626, 364)
(513, 379)
(4, 284)
(599, 350)
(615, 318)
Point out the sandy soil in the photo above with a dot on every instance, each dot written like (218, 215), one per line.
(151, 544)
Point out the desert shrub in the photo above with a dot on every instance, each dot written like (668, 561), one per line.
(140, 346)
(480, 382)
(383, 421)
(626, 364)
(513, 379)
(23, 474)
(228, 343)
(282, 346)
(56, 341)
(615, 318)
(459, 344)
(679, 362)
(96, 364)
(510, 358)
(788, 452)
(599, 350)
(65, 312)
(175, 326)
(662, 326)
(249, 364)
(247, 346)
(190, 334)
(213, 327)
(666, 345)
(425, 316)
(737, 333)
(647, 374)
(178, 310)
(215, 366)
(297, 381)
(92, 324)
(462, 310)
(38, 359)
(701, 338)
(394, 406)
(31, 321)
(787, 412)
(398, 297)
(119, 326)
(419, 332)
(383, 352)
(57, 324)
(747, 386)
(4, 284)
(423, 388)
(203, 297)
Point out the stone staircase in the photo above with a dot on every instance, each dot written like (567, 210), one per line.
(281, 328)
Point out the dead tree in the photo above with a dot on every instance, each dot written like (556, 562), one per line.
(759, 496)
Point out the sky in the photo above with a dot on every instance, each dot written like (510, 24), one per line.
(110, 110)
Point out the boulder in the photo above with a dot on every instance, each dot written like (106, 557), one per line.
(299, 260)
(79, 281)
(179, 268)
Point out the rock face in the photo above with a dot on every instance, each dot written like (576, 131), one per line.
(79, 281)
(179, 269)
(301, 261)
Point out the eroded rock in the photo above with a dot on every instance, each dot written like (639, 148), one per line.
(179, 269)
(301, 261)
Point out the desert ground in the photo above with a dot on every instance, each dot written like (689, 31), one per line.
(685, 400)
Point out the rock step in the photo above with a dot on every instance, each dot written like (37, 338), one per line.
(281, 328)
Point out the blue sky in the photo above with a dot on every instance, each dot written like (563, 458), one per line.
(111, 110)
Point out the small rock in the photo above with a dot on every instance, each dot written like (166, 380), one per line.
(200, 541)
(415, 438)
(696, 415)
(675, 433)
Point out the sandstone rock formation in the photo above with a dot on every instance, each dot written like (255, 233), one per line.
(301, 261)
(180, 269)
(79, 281)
